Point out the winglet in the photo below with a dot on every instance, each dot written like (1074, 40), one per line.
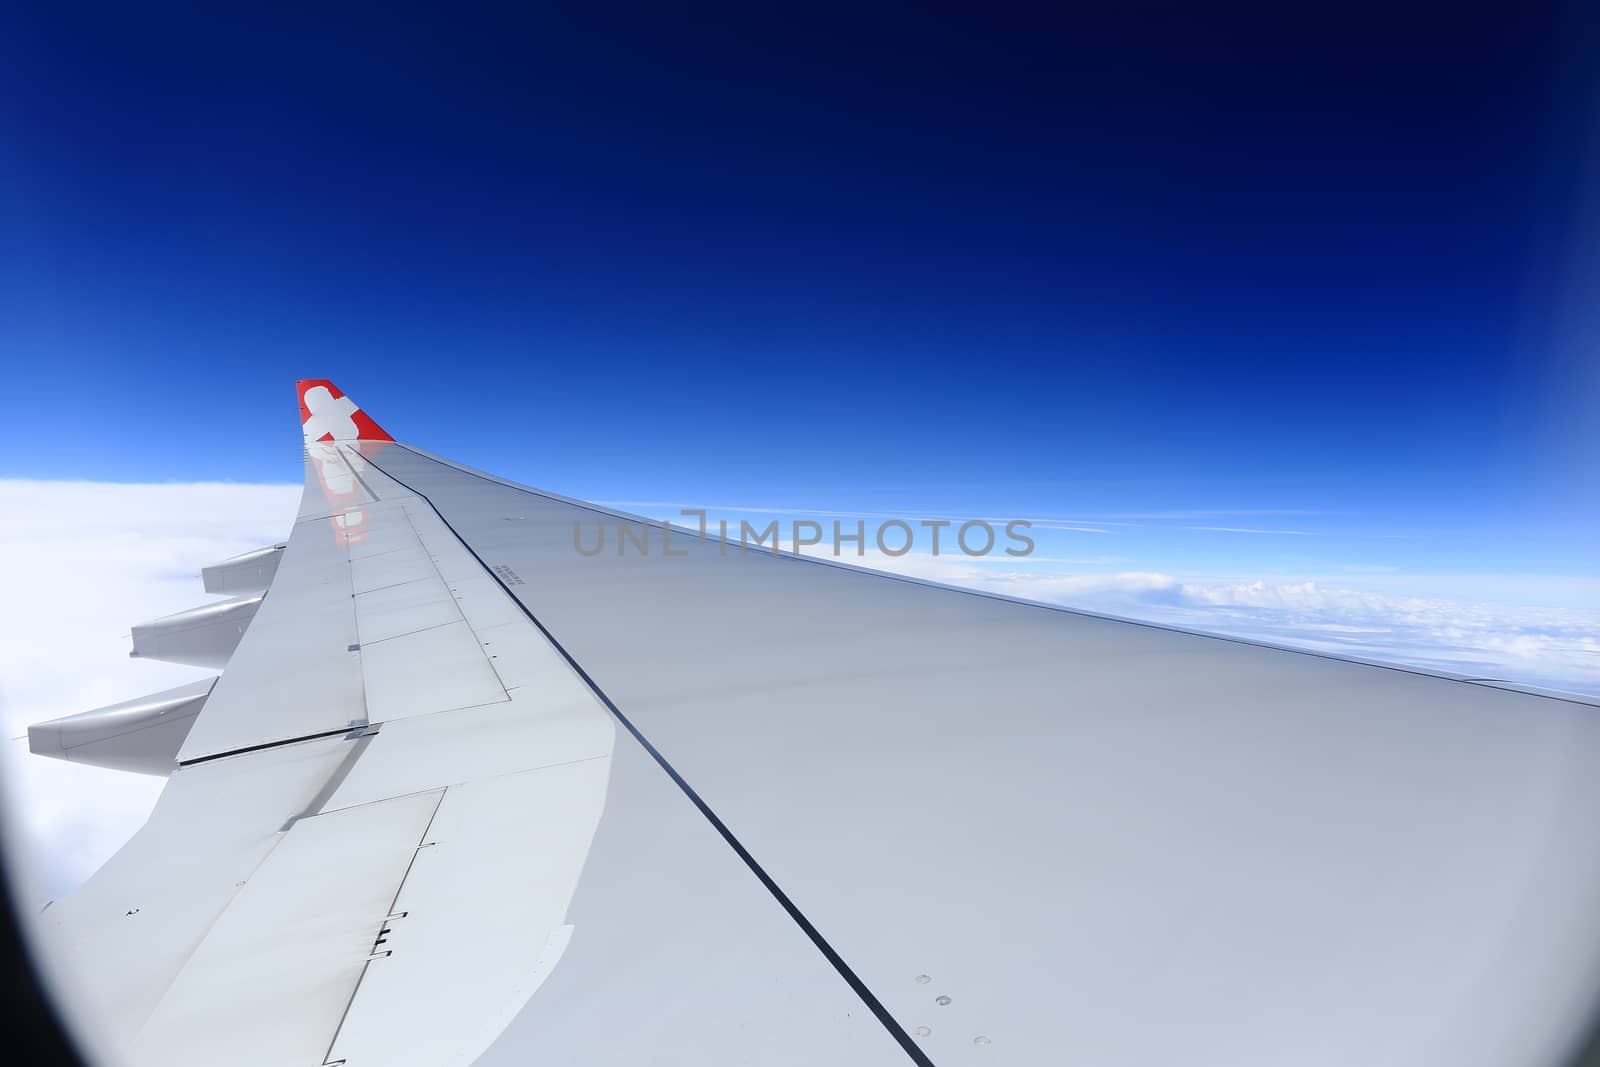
(326, 414)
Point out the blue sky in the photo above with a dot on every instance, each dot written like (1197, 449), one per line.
(1180, 274)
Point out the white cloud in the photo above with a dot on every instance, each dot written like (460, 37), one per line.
(1250, 530)
(1520, 641)
(80, 563)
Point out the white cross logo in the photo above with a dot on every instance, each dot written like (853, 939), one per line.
(330, 415)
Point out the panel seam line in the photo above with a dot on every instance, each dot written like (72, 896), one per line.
(866, 996)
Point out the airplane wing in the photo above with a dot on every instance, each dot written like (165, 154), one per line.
(466, 792)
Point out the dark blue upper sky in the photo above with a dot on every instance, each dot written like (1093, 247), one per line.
(1125, 258)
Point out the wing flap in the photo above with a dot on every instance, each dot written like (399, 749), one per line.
(126, 934)
(457, 673)
(297, 937)
(403, 609)
(512, 846)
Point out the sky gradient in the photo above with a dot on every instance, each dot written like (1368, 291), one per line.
(1244, 292)
(1276, 322)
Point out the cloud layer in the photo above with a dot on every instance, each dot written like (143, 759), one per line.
(1553, 647)
(82, 562)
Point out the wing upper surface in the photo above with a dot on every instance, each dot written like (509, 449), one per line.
(368, 850)
(1104, 841)
(464, 793)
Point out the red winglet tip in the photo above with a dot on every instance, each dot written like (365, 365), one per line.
(327, 414)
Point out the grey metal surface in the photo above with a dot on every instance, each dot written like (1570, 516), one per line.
(479, 925)
(297, 673)
(1104, 842)
(726, 808)
(271, 979)
(124, 938)
(394, 895)
(203, 636)
(141, 735)
(678, 956)
(248, 572)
